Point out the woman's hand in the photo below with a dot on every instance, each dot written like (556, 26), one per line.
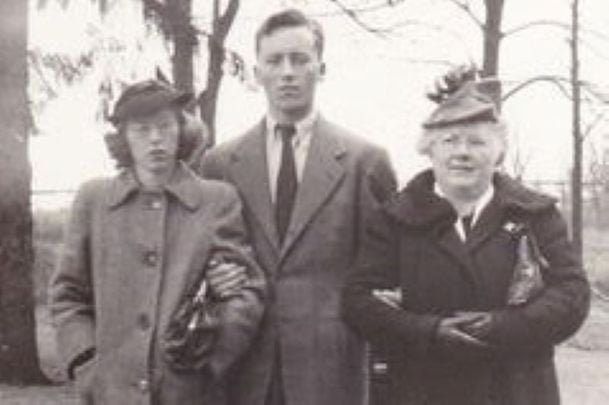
(393, 297)
(225, 278)
(464, 329)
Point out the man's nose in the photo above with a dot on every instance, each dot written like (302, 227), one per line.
(287, 67)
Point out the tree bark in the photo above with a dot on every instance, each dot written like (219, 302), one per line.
(18, 350)
(492, 37)
(208, 99)
(576, 174)
(184, 43)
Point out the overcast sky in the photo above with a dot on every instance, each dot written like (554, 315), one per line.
(374, 85)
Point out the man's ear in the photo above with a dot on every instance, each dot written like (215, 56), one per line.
(257, 74)
(322, 70)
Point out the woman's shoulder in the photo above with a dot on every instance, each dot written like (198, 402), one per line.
(516, 196)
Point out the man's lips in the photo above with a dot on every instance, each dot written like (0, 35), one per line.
(288, 90)
(461, 169)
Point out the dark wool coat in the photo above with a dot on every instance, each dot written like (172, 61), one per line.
(344, 180)
(129, 258)
(411, 243)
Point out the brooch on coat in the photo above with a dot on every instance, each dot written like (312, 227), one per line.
(527, 279)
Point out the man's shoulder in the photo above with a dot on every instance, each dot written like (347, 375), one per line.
(223, 151)
(347, 137)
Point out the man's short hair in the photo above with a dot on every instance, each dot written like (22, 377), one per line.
(288, 19)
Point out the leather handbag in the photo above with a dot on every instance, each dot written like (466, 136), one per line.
(192, 331)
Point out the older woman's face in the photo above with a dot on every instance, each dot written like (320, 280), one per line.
(464, 158)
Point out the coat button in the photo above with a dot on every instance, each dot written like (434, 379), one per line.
(143, 321)
(143, 385)
(151, 258)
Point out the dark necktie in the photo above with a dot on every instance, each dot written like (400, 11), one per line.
(287, 181)
(467, 224)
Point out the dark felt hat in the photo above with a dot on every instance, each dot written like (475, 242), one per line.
(464, 99)
(147, 97)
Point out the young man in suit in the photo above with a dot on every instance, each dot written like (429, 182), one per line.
(307, 187)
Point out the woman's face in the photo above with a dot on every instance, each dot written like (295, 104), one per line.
(464, 158)
(153, 140)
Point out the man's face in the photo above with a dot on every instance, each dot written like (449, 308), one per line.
(464, 158)
(289, 67)
(153, 140)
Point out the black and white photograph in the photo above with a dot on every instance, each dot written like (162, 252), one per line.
(304, 202)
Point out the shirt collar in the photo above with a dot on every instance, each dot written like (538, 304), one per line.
(480, 204)
(182, 186)
(303, 127)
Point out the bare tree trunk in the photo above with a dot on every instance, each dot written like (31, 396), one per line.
(208, 99)
(184, 42)
(576, 175)
(18, 351)
(492, 37)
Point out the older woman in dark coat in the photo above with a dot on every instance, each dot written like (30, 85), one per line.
(486, 279)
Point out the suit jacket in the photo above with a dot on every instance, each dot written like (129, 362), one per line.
(345, 178)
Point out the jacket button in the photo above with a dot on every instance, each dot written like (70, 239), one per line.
(151, 258)
(143, 385)
(143, 321)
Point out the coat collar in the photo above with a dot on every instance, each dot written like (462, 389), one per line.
(418, 206)
(181, 186)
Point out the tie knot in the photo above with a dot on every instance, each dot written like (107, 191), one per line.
(286, 131)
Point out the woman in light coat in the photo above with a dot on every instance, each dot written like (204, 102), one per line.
(487, 281)
(135, 245)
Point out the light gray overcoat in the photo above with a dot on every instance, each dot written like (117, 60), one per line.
(129, 257)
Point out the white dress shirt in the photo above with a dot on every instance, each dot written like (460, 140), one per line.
(479, 206)
(300, 142)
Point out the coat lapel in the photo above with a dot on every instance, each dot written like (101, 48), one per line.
(323, 172)
(487, 225)
(250, 173)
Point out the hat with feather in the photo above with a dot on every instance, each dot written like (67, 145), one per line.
(463, 97)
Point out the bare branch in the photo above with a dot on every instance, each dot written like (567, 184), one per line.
(536, 23)
(464, 5)
(355, 18)
(595, 121)
(556, 80)
(361, 10)
(225, 20)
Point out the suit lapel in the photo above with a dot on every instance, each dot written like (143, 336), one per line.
(250, 172)
(323, 172)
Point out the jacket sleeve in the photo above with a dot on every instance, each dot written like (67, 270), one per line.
(378, 267)
(377, 185)
(210, 166)
(241, 313)
(560, 309)
(71, 289)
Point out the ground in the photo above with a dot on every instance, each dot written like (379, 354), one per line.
(583, 366)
